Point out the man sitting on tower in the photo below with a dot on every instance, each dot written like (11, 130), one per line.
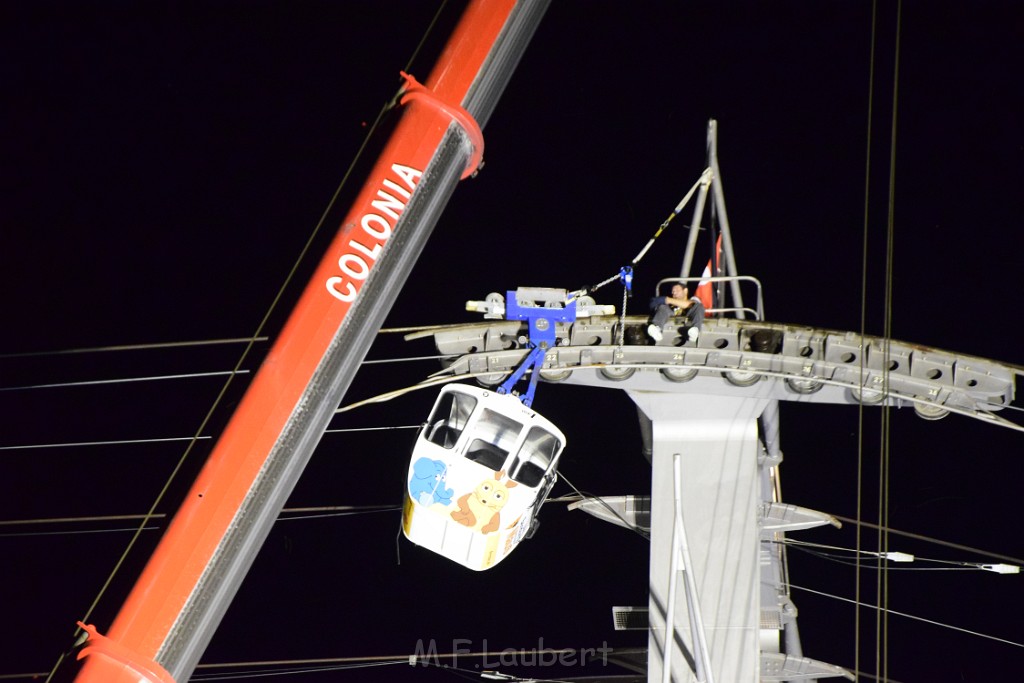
(679, 303)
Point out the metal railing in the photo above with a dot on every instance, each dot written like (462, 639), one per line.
(739, 311)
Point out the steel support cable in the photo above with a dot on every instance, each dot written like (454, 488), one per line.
(296, 512)
(109, 442)
(260, 673)
(193, 375)
(884, 474)
(440, 378)
(1003, 406)
(863, 331)
(932, 539)
(248, 347)
(863, 326)
(898, 557)
(421, 328)
(409, 359)
(403, 659)
(848, 520)
(152, 510)
(331, 663)
(911, 616)
(134, 347)
(313, 667)
(415, 659)
(125, 380)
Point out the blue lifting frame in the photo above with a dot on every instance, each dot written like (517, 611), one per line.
(541, 320)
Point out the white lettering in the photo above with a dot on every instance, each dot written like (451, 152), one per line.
(389, 204)
(392, 185)
(346, 261)
(333, 282)
(385, 228)
(407, 174)
(372, 253)
(378, 228)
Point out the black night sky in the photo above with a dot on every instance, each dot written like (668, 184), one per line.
(164, 163)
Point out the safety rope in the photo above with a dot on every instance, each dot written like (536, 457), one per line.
(625, 274)
(704, 178)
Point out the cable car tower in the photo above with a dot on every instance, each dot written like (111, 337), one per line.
(719, 606)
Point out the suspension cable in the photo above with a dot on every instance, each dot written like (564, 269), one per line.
(936, 541)
(121, 442)
(909, 616)
(125, 380)
(863, 328)
(307, 512)
(108, 442)
(885, 480)
(850, 556)
(135, 347)
(194, 375)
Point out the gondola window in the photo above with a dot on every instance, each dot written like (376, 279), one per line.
(495, 435)
(534, 458)
(450, 418)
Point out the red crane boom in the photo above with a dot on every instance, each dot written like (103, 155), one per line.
(171, 613)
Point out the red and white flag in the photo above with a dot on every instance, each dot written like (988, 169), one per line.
(706, 288)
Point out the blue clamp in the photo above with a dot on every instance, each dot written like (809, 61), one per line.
(541, 320)
(626, 276)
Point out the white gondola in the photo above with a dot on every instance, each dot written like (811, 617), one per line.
(481, 469)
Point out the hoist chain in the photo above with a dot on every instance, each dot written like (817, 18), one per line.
(622, 318)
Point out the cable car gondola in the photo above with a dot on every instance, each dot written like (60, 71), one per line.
(480, 471)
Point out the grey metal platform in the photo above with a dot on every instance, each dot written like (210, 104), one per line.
(740, 358)
(719, 606)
